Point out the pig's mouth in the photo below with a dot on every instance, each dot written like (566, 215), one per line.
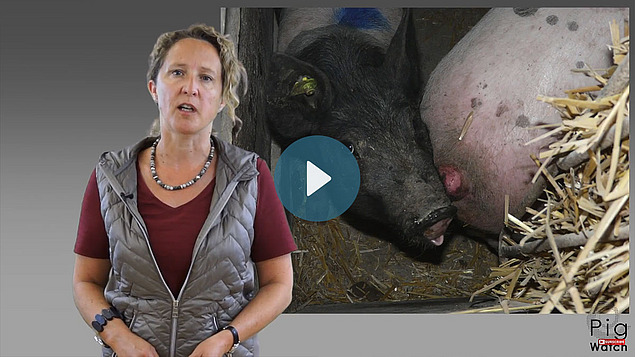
(437, 223)
(435, 232)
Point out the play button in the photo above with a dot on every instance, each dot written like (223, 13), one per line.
(317, 178)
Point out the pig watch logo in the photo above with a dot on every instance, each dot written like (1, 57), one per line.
(608, 334)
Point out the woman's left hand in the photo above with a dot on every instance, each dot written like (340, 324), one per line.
(274, 295)
(215, 346)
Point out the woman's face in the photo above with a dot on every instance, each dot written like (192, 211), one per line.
(188, 88)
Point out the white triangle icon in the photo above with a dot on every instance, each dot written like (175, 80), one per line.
(315, 178)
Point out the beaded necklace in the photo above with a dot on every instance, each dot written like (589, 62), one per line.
(156, 178)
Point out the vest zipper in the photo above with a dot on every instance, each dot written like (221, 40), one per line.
(175, 316)
(175, 302)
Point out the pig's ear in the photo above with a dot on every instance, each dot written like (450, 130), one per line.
(402, 58)
(298, 95)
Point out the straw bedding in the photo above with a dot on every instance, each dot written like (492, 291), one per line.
(337, 264)
(571, 252)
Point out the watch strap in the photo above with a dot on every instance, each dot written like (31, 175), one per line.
(234, 332)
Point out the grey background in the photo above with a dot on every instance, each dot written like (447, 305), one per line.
(72, 85)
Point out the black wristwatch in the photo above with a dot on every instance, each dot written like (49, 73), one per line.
(234, 332)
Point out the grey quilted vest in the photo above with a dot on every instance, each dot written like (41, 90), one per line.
(220, 281)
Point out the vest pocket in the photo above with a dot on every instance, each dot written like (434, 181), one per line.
(132, 321)
(214, 324)
(211, 324)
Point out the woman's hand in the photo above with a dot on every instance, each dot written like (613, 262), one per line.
(128, 344)
(89, 279)
(276, 283)
(215, 346)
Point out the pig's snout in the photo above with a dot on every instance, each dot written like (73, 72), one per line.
(455, 183)
(436, 224)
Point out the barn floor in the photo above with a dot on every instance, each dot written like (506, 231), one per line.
(429, 306)
(336, 264)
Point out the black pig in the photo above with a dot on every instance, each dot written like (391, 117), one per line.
(337, 81)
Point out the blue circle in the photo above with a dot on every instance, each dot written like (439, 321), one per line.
(317, 156)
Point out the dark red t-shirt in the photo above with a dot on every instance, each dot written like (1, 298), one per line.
(173, 230)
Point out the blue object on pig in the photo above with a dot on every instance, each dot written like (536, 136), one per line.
(362, 18)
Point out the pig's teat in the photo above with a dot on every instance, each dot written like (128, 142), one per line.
(455, 185)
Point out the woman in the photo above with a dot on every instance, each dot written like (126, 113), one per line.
(171, 227)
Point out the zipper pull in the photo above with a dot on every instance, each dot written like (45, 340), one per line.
(175, 309)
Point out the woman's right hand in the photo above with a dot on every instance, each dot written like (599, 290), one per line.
(125, 343)
(89, 279)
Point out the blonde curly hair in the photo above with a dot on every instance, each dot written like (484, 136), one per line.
(233, 74)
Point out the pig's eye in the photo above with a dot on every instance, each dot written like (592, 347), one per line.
(350, 146)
